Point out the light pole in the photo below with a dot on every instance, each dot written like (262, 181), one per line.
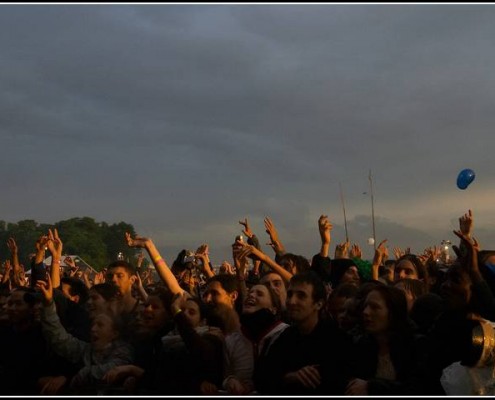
(372, 210)
(343, 207)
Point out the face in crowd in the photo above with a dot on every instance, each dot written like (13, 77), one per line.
(215, 294)
(375, 313)
(121, 278)
(103, 331)
(153, 315)
(258, 298)
(277, 284)
(351, 275)
(301, 305)
(405, 269)
(19, 311)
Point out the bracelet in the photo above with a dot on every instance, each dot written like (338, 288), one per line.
(158, 260)
(56, 262)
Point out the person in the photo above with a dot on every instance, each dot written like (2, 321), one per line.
(388, 355)
(102, 298)
(412, 288)
(261, 325)
(105, 350)
(410, 266)
(336, 303)
(222, 293)
(344, 270)
(311, 356)
(277, 284)
(123, 275)
(24, 357)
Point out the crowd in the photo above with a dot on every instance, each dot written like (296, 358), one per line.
(411, 324)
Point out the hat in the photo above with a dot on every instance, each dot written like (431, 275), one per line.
(338, 268)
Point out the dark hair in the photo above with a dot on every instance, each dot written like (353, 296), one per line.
(77, 288)
(201, 306)
(31, 297)
(339, 267)
(122, 264)
(277, 304)
(106, 290)
(425, 311)
(313, 279)
(418, 265)
(302, 264)
(227, 281)
(396, 303)
(346, 290)
(164, 294)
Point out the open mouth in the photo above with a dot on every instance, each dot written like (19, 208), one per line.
(250, 302)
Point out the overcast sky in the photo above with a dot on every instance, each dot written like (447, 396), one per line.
(183, 119)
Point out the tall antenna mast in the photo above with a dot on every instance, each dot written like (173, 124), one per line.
(372, 210)
(343, 208)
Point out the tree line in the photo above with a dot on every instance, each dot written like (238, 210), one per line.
(97, 243)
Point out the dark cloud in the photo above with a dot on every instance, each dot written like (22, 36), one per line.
(182, 119)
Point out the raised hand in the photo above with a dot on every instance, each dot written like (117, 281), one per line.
(99, 278)
(472, 246)
(355, 251)
(342, 250)
(11, 244)
(398, 252)
(140, 259)
(325, 227)
(46, 289)
(70, 262)
(203, 250)
(41, 243)
(247, 230)
(54, 244)
(271, 230)
(139, 242)
(275, 242)
(466, 223)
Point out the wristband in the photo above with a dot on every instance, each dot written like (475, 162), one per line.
(177, 311)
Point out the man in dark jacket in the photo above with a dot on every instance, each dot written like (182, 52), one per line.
(311, 356)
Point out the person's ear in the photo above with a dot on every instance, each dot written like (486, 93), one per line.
(319, 305)
(234, 295)
(133, 279)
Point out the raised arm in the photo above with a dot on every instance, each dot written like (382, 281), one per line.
(325, 228)
(55, 247)
(14, 254)
(253, 252)
(6, 276)
(380, 254)
(160, 265)
(63, 343)
(275, 242)
(466, 224)
(342, 250)
(202, 253)
(253, 240)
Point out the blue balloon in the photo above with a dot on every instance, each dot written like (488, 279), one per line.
(465, 177)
